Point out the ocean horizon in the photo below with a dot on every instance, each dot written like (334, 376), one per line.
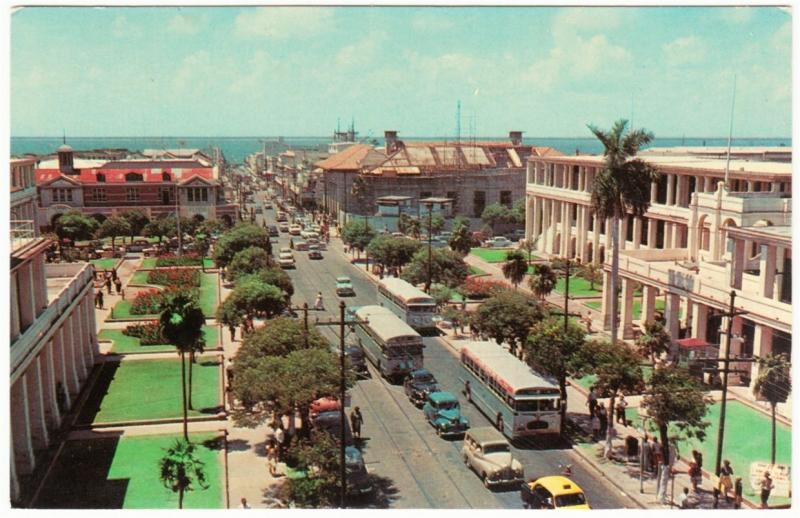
(235, 149)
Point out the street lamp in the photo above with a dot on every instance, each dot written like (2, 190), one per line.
(429, 202)
(366, 229)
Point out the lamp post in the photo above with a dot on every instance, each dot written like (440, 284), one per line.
(366, 251)
(429, 202)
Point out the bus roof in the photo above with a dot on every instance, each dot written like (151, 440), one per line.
(385, 324)
(511, 373)
(406, 291)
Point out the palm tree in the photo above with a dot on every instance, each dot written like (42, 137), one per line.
(181, 323)
(543, 280)
(515, 267)
(622, 186)
(180, 468)
(774, 383)
(655, 341)
(461, 241)
(414, 227)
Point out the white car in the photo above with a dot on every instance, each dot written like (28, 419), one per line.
(488, 453)
(295, 230)
(286, 260)
(498, 242)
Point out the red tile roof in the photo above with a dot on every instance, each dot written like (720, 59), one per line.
(151, 171)
(352, 159)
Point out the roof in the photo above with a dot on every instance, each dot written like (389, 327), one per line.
(512, 374)
(442, 397)
(385, 324)
(65, 147)
(405, 290)
(692, 343)
(484, 434)
(152, 171)
(353, 158)
(559, 485)
(149, 164)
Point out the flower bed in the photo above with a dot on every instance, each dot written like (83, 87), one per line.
(147, 302)
(148, 334)
(481, 288)
(175, 277)
(173, 260)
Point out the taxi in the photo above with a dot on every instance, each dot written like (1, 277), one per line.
(554, 492)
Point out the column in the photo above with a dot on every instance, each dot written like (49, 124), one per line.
(21, 429)
(766, 279)
(565, 228)
(671, 313)
(653, 192)
(15, 320)
(50, 380)
(780, 258)
(737, 264)
(623, 232)
(608, 239)
(605, 307)
(547, 224)
(699, 320)
(71, 383)
(648, 304)
(637, 232)
(596, 240)
(708, 184)
(77, 348)
(37, 418)
(652, 233)
(670, 189)
(762, 346)
(686, 318)
(668, 235)
(529, 216)
(555, 207)
(627, 309)
(677, 231)
(679, 189)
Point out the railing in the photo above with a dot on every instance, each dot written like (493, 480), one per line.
(23, 231)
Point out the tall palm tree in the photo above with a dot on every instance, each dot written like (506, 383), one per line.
(774, 383)
(543, 280)
(622, 186)
(515, 267)
(180, 468)
(181, 323)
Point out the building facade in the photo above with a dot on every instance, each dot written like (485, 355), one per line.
(52, 334)
(699, 240)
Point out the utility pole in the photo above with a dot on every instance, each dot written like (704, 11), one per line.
(366, 229)
(178, 219)
(566, 296)
(304, 309)
(430, 256)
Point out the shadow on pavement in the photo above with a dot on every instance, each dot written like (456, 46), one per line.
(91, 407)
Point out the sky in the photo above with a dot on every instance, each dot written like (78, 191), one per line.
(293, 71)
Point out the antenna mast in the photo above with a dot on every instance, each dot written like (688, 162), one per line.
(730, 136)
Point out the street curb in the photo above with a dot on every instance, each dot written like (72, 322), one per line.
(619, 488)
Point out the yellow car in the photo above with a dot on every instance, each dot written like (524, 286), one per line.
(554, 492)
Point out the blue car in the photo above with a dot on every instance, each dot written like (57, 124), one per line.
(443, 412)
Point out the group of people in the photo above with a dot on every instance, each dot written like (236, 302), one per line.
(277, 443)
(106, 280)
(599, 415)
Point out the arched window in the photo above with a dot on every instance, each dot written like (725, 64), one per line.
(166, 177)
(101, 178)
(134, 177)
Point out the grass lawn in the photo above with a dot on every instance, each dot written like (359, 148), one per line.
(122, 472)
(130, 344)
(208, 299)
(123, 310)
(579, 287)
(474, 270)
(490, 255)
(106, 263)
(747, 440)
(637, 306)
(150, 263)
(140, 277)
(150, 389)
(590, 379)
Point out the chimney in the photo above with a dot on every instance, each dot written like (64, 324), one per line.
(65, 160)
(390, 136)
(516, 137)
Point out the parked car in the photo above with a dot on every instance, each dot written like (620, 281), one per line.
(357, 360)
(295, 229)
(323, 404)
(300, 245)
(329, 422)
(273, 231)
(267, 205)
(443, 412)
(498, 242)
(418, 384)
(259, 210)
(138, 245)
(554, 492)
(487, 452)
(344, 287)
(358, 481)
(314, 252)
(286, 260)
(281, 217)
(283, 226)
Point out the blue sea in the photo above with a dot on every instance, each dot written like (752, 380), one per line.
(235, 149)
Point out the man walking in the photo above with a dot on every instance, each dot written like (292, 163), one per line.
(591, 402)
(356, 420)
(602, 417)
(99, 298)
(766, 489)
(621, 406)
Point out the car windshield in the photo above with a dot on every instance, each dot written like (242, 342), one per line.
(496, 448)
(570, 500)
(448, 405)
(424, 378)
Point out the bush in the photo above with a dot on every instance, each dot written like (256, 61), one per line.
(174, 277)
(169, 260)
(482, 288)
(146, 302)
(148, 334)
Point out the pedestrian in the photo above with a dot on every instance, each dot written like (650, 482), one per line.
(588, 320)
(499, 421)
(697, 457)
(591, 401)
(272, 460)
(766, 489)
(232, 329)
(683, 499)
(595, 427)
(356, 420)
(725, 479)
(318, 305)
(737, 493)
(244, 504)
(657, 454)
(467, 390)
(602, 416)
(108, 284)
(621, 406)
(114, 274)
(280, 439)
(647, 454)
(695, 475)
(118, 285)
(99, 297)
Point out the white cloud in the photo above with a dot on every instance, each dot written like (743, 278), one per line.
(363, 51)
(122, 28)
(431, 23)
(737, 14)
(193, 70)
(253, 78)
(283, 22)
(688, 50)
(186, 24)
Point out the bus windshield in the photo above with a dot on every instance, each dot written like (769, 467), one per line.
(535, 405)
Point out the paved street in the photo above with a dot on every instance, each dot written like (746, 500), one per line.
(414, 468)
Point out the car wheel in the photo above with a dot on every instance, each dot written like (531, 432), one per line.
(439, 431)
(485, 480)
(466, 461)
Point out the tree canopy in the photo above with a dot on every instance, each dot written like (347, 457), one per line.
(252, 297)
(543, 280)
(277, 337)
(507, 317)
(114, 227)
(240, 237)
(447, 267)
(160, 228)
(655, 340)
(515, 267)
(496, 214)
(74, 225)
(358, 234)
(461, 241)
(248, 261)
(180, 470)
(273, 275)
(390, 251)
(137, 220)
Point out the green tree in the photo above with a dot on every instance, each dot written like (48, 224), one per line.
(137, 220)
(543, 280)
(320, 460)
(518, 212)
(248, 261)
(403, 223)
(229, 314)
(674, 398)
(774, 384)
(240, 237)
(251, 297)
(389, 251)
(528, 245)
(273, 275)
(447, 267)
(437, 223)
(357, 234)
(181, 323)
(621, 187)
(654, 342)
(212, 226)
(114, 227)
(75, 226)
(618, 370)
(442, 295)
(160, 228)
(457, 316)
(278, 337)
(552, 350)
(461, 241)
(180, 469)
(515, 267)
(593, 273)
(507, 317)
(496, 214)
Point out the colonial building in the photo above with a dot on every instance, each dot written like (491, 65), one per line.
(104, 188)
(52, 334)
(473, 174)
(699, 240)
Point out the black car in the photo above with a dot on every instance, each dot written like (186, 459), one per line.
(273, 231)
(358, 480)
(329, 422)
(418, 384)
(357, 359)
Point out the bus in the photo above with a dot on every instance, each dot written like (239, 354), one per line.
(518, 400)
(389, 343)
(411, 304)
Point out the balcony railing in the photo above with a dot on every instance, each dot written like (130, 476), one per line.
(23, 231)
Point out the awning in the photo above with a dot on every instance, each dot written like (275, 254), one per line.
(693, 343)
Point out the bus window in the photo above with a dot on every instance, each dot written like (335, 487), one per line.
(547, 405)
(526, 405)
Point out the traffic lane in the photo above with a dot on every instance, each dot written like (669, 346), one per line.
(544, 458)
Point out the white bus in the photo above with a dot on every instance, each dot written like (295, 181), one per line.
(411, 304)
(389, 343)
(518, 400)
